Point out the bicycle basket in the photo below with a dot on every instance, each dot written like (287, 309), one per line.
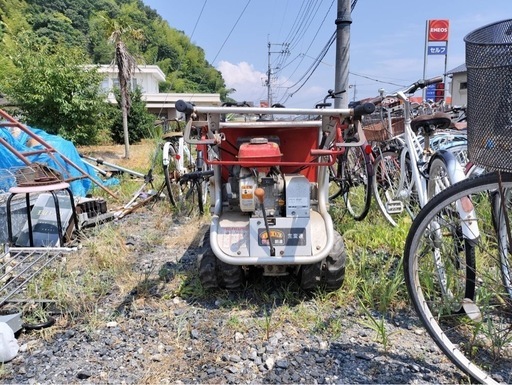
(383, 124)
(489, 109)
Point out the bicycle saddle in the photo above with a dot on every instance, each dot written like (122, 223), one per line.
(429, 123)
(173, 134)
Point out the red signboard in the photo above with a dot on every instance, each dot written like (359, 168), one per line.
(438, 30)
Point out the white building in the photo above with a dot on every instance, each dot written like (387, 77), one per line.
(148, 77)
(459, 85)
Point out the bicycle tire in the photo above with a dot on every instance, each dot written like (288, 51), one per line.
(335, 181)
(171, 177)
(499, 208)
(357, 172)
(439, 179)
(191, 202)
(470, 322)
(386, 179)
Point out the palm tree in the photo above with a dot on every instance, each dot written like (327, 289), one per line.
(126, 65)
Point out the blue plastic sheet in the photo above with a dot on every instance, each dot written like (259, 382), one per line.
(63, 147)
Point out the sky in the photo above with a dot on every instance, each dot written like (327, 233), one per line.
(387, 43)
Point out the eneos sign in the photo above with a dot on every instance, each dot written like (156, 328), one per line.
(438, 30)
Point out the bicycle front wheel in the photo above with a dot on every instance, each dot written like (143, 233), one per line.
(171, 174)
(191, 203)
(394, 193)
(501, 205)
(457, 279)
(336, 184)
(357, 171)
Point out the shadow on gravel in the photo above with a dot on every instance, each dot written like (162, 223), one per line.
(261, 293)
(154, 283)
(352, 362)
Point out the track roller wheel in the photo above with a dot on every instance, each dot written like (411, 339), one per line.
(329, 273)
(214, 273)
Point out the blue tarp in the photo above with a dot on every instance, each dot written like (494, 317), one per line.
(9, 161)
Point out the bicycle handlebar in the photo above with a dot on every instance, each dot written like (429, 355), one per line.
(195, 175)
(330, 94)
(422, 83)
(235, 104)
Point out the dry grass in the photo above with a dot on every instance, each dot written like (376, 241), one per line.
(105, 264)
(140, 154)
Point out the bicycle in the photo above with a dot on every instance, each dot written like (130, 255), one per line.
(458, 253)
(351, 175)
(408, 175)
(186, 178)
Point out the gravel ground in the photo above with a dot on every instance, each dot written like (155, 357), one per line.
(153, 335)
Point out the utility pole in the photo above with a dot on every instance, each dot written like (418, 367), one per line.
(343, 21)
(268, 82)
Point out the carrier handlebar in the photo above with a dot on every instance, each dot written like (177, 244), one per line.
(189, 108)
(183, 106)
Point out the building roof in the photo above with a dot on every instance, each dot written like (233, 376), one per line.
(459, 69)
(152, 69)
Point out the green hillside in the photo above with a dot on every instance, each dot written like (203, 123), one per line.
(85, 24)
(45, 45)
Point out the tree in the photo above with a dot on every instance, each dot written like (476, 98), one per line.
(140, 124)
(126, 64)
(54, 90)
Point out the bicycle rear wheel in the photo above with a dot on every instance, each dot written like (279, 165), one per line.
(443, 172)
(456, 276)
(357, 172)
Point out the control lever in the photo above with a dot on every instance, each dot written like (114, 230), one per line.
(260, 194)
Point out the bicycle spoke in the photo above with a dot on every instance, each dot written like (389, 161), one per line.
(356, 173)
(457, 265)
(393, 192)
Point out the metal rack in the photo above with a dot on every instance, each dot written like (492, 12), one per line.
(19, 265)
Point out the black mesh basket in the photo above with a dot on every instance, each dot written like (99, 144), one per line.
(489, 109)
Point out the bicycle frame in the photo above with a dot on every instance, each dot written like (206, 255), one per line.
(414, 151)
(182, 153)
(420, 156)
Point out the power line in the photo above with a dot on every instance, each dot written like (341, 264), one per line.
(312, 40)
(313, 68)
(310, 14)
(227, 37)
(198, 18)
(310, 71)
(230, 32)
(376, 80)
(179, 64)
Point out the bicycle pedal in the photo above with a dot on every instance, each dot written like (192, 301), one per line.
(394, 207)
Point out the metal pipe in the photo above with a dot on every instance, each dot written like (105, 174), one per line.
(102, 162)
